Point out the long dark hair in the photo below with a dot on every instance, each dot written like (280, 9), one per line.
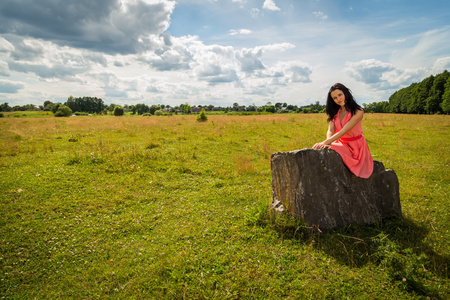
(350, 104)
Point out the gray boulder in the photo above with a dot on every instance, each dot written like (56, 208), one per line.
(316, 187)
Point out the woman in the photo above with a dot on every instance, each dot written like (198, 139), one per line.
(345, 131)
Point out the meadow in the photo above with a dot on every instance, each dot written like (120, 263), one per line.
(166, 207)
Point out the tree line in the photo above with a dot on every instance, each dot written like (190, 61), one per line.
(93, 105)
(430, 96)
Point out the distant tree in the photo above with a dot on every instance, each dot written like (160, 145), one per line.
(5, 107)
(185, 108)
(55, 107)
(270, 109)
(406, 97)
(63, 111)
(202, 116)
(140, 109)
(154, 108)
(46, 103)
(394, 102)
(426, 96)
(312, 108)
(419, 96)
(111, 107)
(72, 104)
(446, 98)
(118, 111)
(85, 104)
(376, 107)
(434, 100)
(252, 107)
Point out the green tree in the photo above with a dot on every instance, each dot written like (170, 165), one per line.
(433, 102)
(419, 96)
(154, 108)
(72, 104)
(446, 98)
(140, 109)
(111, 107)
(5, 107)
(55, 107)
(118, 110)
(270, 109)
(63, 111)
(185, 108)
(414, 100)
(202, 116)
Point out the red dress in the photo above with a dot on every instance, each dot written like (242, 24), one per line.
(353, 148)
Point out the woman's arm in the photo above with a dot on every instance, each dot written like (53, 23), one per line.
(331, 136)
(330, 131)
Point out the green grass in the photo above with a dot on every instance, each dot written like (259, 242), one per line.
(171, 208)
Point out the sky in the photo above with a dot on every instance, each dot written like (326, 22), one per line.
(217, 52)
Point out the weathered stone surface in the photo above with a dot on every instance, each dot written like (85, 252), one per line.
(316, 187)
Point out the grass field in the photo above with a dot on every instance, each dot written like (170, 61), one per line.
(170, 208)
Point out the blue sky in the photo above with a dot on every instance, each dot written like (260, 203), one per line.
(217, 51)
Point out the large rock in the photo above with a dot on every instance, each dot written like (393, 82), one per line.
(316, 187)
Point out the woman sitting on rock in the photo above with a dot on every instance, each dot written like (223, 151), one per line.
(345, 131)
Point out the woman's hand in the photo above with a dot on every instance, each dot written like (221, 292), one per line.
(321, 146)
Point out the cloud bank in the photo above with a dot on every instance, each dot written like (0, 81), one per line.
(124, 51)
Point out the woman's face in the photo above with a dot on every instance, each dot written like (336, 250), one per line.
(338, 97)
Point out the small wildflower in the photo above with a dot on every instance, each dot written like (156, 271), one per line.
(404, 279)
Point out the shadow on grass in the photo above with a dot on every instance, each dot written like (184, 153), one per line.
(397, 245)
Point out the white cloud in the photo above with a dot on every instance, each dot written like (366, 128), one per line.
(241, 2)
(10, 87)
(383, 75)
(255, 13)
(50, 61)
(239, 31)
(320, 15)
(270, 5)
(425, 48)
(124, 51)
(102, 25)
(284, 73)
(4, 69)
(250, 59)
(441, 65)
(5, 45)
